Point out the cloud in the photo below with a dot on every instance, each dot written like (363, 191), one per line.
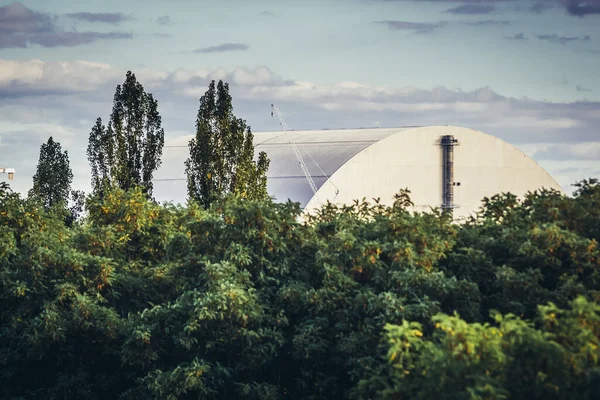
(108, 18)
(417, 27)
(472, 9)
(540, 7)
(517, 36)
(70, 39)
(576, 8)
(582, 89)
(554, 38)
(487, 22)
(428, 27)
(455, 1)
(164, 20)
(221, 48)
(21, 27)
(581, 8)
(570, 151)
(16, 18)
(260, 76)
(36, 77)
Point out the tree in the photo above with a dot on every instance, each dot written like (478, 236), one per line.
(53, 178)
(127, 151)
(76, 207)
(222, 152)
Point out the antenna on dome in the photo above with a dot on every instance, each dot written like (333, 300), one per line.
(275, 112)
(311, 182)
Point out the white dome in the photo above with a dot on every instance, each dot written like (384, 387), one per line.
(377, 163)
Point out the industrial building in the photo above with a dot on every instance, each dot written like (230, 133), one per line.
(442, 166)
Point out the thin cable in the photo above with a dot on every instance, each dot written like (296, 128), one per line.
(320, 169)
(313, 160)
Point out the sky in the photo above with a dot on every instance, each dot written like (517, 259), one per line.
(526, 71)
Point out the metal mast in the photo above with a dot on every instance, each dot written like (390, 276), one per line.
(285, 128)
(448, 142)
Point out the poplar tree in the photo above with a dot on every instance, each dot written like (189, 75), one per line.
(53, 177)
(127, 151)
(221, 157)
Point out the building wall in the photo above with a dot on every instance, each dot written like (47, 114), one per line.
(484, 165)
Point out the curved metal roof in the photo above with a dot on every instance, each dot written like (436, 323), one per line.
(377, 162)
(323, 151)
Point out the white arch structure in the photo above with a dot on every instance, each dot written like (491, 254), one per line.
(377, 163)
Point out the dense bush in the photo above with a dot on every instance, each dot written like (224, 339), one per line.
(242, 300)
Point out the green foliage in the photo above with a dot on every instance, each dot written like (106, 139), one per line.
(127, 151)
(221, 158)
(53, 177)
(243, 298)
(511, 359)
(530, 252)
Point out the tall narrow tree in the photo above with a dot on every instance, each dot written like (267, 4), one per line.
(222, 152)
(53, 178)
(127, 151)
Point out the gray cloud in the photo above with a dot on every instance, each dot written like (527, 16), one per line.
(472, 9)
(16, 18)
(108, 18)
(454, 1)
(540, 7)
(581, 8)
(577, 8)
(428, 27)
(570, 151)
(487, 22)
(223, 48)
(582, 89)
(517, 36)
(164, 20)
(418, 27)
(70, 39)
(554, 38)
(59, 39)
(21, 27)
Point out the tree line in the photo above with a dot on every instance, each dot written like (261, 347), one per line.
(127, 151)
